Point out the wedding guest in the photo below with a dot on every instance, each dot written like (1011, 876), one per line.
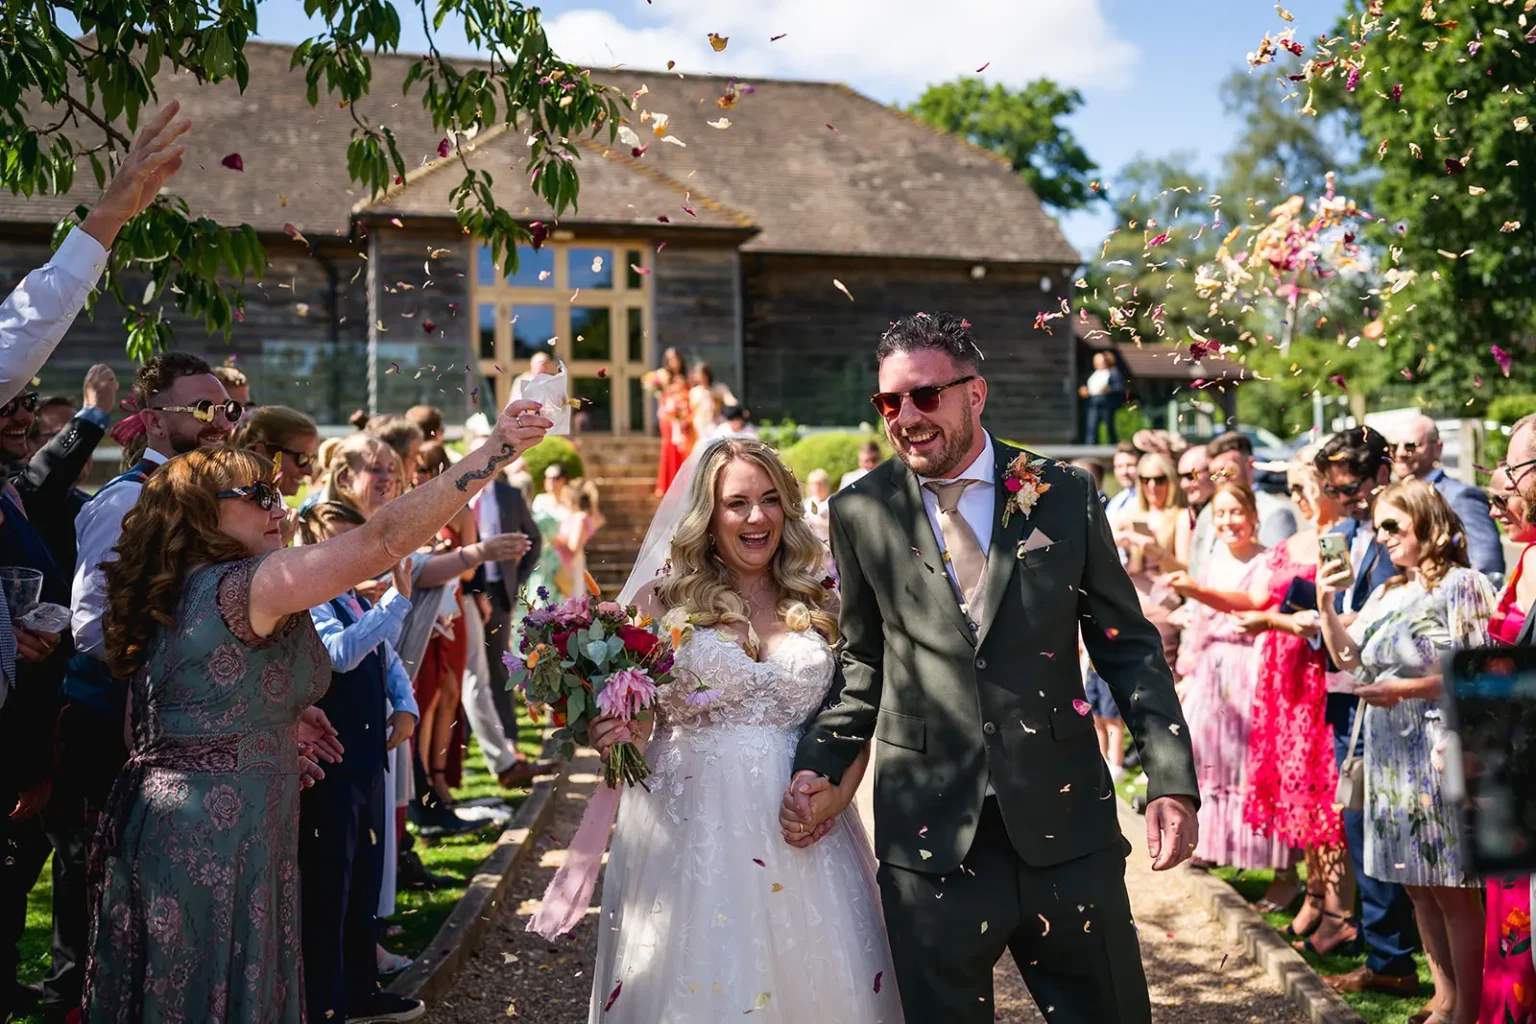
(37, 313)
(428, 419)
(53, 415)
(210, 620)
(1416, 452)
(1124, 467)
(869, 457)
(1394, 649)
(236, 384)
(674, 416)
(286, 436)
(539, 365)
(551, 501)
(1104, 394)
(708, 398)
(401, 435)
(342, 818)
(1354, 466)
(1195, 478)
(46, 477)
(1154, 536)
(818, 488)
(738, 423)
(1221, 672)
(1509, 976)
(1231, 458)
(1292, 777)
(582, 520)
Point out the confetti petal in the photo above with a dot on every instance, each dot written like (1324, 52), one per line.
(878, 976)
(1502, 358)
(444, 147)
(774, 39)
(233, 162)
(842, 288)
(613, 997)
(718, 41)
(983, 67)
(1082, 707)
(721, 124)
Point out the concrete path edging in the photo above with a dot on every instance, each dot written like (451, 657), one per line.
(1269, 948)
(435, 969)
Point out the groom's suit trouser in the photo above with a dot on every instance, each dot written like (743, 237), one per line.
(1068, 927)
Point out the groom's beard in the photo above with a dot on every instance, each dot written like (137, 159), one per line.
(937, 464)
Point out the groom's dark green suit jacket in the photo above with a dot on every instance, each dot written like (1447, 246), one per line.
(951, 710)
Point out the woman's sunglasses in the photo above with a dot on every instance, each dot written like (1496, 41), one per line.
(301, 460)
(1498, 501)
(1390, 527)
(925, 399)
(26, 401)
(260, 493)
(205, 410)
(1148, 481)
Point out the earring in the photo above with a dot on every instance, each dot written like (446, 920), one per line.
(711, 539)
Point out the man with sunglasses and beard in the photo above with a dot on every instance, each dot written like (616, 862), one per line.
(991, 800)
(182, 407)
(1416, 451)
(1354, 466)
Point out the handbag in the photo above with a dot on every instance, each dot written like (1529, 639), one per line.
(1350, 795)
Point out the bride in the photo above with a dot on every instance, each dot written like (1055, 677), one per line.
(707, 912)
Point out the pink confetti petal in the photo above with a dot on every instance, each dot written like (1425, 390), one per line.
(1502, 358)
(878, 976)
(832, 129)
(774, 39)
(983, 67)
(613, 997)
(444, 147)
(1082, 707)
(759, 862)
(233, 162)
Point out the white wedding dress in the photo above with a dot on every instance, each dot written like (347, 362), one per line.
(707, 913)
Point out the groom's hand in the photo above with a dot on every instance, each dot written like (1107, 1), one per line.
(1172, 831)
(797, 811)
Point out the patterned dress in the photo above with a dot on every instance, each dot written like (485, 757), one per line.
(1404, 631)
(197, 856)
(1292, 776)
(1218, 704)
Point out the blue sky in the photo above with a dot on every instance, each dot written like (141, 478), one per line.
(1149, 73)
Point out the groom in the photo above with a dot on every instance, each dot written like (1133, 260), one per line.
(995, 818)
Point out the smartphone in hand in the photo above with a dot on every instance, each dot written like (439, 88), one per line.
(1334, 547)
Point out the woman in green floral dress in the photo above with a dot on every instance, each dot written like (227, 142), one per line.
(196, 864)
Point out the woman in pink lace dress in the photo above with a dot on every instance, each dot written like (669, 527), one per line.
(1292, 776)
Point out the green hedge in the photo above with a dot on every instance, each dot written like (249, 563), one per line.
(1505, 410)
(548, 452)
(837, 452)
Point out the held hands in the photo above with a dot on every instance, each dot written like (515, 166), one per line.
(101, 388)
(1173, 831)
(809, 809)
(153, 159)
(402, 726)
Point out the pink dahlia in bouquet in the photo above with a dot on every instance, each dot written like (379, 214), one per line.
(580, 659)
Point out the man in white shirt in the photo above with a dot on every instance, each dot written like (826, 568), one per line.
(737, 423)
(869, 458)
(37, 313)
(1127, 458)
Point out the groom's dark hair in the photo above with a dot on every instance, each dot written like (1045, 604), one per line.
(945, 332)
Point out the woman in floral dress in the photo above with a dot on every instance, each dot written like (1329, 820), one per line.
(196, 863)
(1394, 650)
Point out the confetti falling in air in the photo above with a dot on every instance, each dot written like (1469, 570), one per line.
(774, 39)
(233, 162)
(925, 854)
(983, 927)
(444, 147)
(833, 130)
(761, 1003)
(842, 288)
(294, 233)
(759, 862)
(1082, 707)
(983, 67)
(1502, 358)
(613, 996)
(722, 124)
(718, 41)
(777, 887)
(1046, 923)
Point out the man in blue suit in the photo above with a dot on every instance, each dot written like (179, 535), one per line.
(1416, 449)
(1355, 465)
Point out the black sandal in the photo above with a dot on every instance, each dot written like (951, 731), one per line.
(1352, 946)
(1290, 931)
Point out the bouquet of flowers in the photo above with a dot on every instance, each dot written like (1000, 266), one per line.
(581, 658)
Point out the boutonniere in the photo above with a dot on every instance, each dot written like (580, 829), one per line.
(1024, 481)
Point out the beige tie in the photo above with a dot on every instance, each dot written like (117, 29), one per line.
(960, 543)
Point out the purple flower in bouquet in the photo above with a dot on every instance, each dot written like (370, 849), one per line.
(702, 697)
(612, 612)
(627, 692)
(575, 613)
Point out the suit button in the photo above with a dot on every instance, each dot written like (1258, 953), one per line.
(989, 728)
(981, 663)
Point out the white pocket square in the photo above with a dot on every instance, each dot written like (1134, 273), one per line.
(1034, 542)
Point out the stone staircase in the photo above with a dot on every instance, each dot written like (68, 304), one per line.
(624, 469)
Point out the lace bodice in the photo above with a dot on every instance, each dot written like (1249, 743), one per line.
(782, 691)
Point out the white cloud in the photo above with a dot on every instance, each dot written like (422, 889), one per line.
(890, 49)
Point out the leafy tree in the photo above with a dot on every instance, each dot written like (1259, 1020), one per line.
(64, 100)
(1024, 126)
(1444, 97)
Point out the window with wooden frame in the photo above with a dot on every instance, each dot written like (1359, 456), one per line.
(585, 303)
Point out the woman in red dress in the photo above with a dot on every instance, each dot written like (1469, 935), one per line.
(674, 417)
(1509, 977)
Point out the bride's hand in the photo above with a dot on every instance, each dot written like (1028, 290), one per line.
(606, 730)
(809, 809)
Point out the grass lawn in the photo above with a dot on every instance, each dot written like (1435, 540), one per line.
(419, 914)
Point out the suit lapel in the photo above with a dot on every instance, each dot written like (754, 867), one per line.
(1002, 555)
(906, 504)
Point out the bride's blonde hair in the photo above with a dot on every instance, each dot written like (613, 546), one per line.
(699, 584)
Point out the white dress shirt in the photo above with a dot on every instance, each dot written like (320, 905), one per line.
(488, 522)
(978, 503)
(35, 316)
(97, 529)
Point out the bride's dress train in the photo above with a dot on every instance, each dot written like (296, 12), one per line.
(707, 913)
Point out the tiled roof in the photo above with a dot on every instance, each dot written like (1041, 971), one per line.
(813, 166)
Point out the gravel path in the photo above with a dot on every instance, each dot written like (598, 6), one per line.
(1196, 975)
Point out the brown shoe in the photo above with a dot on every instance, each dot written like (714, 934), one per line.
(1363, 979)
(523, 773)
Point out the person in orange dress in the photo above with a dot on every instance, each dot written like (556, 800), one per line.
(674, 416)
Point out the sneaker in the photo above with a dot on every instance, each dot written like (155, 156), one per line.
(386, 1007)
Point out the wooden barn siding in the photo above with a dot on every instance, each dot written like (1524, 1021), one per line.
(809, 351)
(695, 302)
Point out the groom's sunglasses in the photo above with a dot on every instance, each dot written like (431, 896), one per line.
(925, 399)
